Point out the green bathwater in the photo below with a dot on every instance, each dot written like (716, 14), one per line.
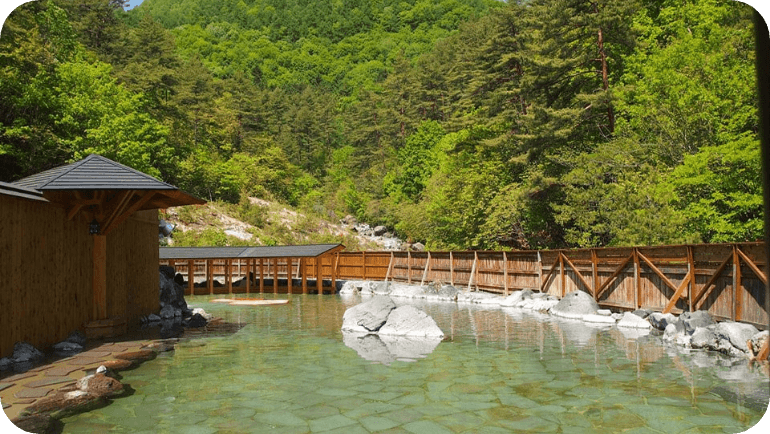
(497, 370)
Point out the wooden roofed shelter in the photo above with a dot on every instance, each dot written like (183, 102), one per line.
(256, 264)
(79, 246)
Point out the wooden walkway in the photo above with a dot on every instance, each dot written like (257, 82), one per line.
(727, 280)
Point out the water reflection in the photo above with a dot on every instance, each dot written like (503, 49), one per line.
(387, 349)
(291, 369)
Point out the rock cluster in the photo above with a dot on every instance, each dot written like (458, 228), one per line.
(381, 316)
(380, 331)
(690, 329)
(88, 393)
(174, 313)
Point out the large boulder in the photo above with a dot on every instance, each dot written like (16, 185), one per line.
(410, 321)
(24, 352)
(661, 320)
(349, 288)
(693, 320)
(379, 230)
(368, 316)
(736, 333)
(575, 305)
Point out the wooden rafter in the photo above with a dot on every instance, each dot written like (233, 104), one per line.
(129, 211)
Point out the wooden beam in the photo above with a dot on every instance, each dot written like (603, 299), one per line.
(289, 269)
(116, 206)
(261, 275)
(210, 276)
(275, 275)
(617, 272)
(363, 257)
(737, 295)
(408, 267)
(562, 279)
(637, 280)
(505, 273)
(191, 276)
(679, 291)
(691, 270)
(451, 269)
(129, 211)
(752, 265)
(594, 272)
(473, 270)
(697, 299)
(425, 271)
(248, 275)
(303, 266)
(553, 267)
(335, 260)
(319, 282)
(657, 271)
(390, 267)
(580, 276)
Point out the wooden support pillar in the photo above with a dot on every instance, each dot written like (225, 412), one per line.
(426, 270)
(505, 273)
(473, 271)
(409, 267)
(562, 278)
(737, 298)
(390, 267)
(637, 283)
(191, 276)
(594, 273)
(691, 271)
(261, 275)
(319, 281)
(229, 275)
(335, 263)
(275, 275)
(540, 270)
(289, 267)
(99, 278)
(363, 257)
(248, 276)
(210, 276)
(451, 269)
(303, 266)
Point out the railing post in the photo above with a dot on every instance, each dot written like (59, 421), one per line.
(594, 273)
(691, 271)
(451, 269)
(637, 284)
(191, 276)
(505, 273)
(425, 271)
(562, 278)
(539, 270)
(737, 296)
(408, 267)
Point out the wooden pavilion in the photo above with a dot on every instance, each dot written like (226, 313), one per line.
(79, 247)
(261, 266)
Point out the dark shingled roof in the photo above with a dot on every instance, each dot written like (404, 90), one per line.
(26, 193)
(306, 251)
(92, 173)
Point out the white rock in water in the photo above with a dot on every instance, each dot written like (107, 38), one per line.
(631, 320)
(410, 321)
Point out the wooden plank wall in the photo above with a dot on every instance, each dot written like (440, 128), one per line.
(46, 267)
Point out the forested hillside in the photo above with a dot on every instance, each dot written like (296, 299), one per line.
(460, 124)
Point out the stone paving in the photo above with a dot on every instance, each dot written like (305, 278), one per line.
(19, 391)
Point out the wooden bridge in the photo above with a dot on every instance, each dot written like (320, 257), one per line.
(727, 280)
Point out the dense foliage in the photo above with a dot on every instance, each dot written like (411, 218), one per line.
(462, 124)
